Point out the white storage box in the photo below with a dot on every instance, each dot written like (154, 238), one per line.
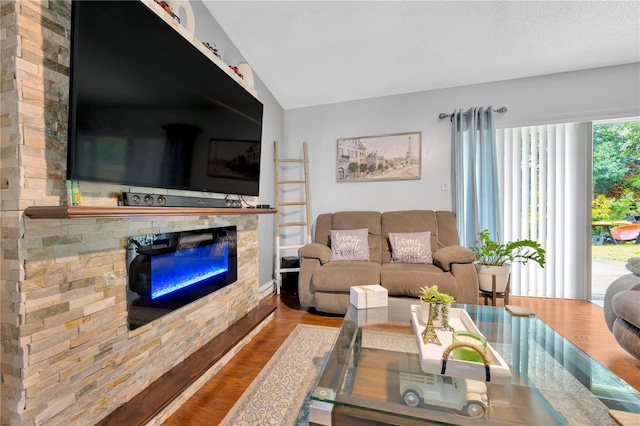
(369, 296)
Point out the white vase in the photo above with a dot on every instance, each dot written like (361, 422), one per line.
(424, 313)
(486, 274)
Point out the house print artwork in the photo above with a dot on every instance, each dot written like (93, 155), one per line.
(387, 157)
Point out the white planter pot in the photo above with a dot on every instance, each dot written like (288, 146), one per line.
(486, 274)
(424, 313)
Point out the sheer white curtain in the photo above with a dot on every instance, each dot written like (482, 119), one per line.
(545, 175)
(475, 195)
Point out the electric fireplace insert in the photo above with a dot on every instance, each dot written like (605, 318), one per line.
(170, 270)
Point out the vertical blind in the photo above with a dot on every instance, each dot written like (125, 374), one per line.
(545, 180)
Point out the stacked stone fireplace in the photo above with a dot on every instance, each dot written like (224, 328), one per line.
(68, 356)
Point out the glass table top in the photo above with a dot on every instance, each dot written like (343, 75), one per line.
(374, 366)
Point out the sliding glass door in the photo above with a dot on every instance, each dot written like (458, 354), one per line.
(615, 211)
(575, 188)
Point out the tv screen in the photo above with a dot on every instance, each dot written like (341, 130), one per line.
(149, 109)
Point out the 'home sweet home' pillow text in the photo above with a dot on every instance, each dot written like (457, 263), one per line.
(351, 244)
(413, 247)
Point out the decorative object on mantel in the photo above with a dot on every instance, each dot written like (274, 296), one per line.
(236, 70)
(432, 303)
(167, 8)
(213, 48)
(183, 7)
(74, 197)
(494, 259)
(247, 73)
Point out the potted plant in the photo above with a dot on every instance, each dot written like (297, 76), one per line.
(431, 298)
(495, 259)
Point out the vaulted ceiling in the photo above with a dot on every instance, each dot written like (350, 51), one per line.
(318, 52)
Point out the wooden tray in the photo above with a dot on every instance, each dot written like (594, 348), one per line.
(431, 354)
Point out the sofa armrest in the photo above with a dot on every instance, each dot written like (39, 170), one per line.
(467, 282)
(445, 256)
(633, 265)
(625, 305)
(315, 251)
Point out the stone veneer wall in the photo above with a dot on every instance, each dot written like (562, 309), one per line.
(67, 355)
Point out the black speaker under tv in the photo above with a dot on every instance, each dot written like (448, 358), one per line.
(149, 109)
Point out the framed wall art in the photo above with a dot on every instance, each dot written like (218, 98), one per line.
(376, 158)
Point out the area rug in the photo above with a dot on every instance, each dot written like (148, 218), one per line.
(279, 395)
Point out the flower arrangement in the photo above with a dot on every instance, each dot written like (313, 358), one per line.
(434, 298)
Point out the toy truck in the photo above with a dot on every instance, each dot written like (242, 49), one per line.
(466, 396)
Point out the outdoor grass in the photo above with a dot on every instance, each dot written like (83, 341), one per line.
(618, 252)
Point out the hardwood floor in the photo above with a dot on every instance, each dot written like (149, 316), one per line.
(579, 321)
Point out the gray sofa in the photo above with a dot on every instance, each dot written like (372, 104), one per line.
(622, 308)
(325, 284)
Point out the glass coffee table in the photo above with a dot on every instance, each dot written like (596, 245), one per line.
(372, 376)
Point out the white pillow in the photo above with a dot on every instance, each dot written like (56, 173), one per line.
(350, 244)
(412, 247)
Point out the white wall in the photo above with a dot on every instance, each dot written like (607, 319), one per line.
(610, 92)
(208, 30)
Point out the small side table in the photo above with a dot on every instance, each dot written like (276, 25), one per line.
(495, 295)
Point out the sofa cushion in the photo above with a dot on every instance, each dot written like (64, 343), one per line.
(351, 220)
(350, 244)
(404, 222)
(447, 229)
(405, 279)
(340, 276)
(411, 247)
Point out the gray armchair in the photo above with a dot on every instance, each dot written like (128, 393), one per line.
(622, 308)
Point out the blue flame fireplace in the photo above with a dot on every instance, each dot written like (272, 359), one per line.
(168, 271)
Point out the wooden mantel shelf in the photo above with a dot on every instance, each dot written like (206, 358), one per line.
(75, 212)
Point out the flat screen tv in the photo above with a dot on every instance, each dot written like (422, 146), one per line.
(149, 109)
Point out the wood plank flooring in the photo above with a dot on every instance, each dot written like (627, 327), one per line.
(579, 321)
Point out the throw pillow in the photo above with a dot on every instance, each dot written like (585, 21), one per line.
(350, 244)
(413, 247)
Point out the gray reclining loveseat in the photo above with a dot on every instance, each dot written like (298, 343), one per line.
(325, 283)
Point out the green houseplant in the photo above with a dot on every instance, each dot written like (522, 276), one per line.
(431, 298)
(495, 259)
